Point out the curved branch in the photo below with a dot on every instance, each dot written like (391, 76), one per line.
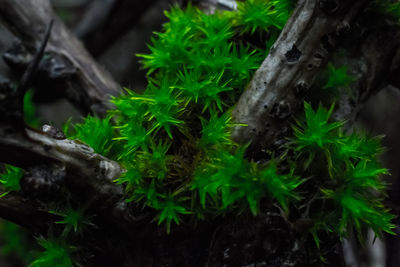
(69, 67)
(301, 51)
(85, 169)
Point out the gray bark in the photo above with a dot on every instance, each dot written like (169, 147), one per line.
(275, 93)
(300, 53)
(69, 66)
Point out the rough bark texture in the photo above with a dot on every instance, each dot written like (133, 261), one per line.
(301, 51)
(127, 237)
(84, 168)
(68, 67)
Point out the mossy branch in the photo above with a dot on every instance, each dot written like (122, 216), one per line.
(299, 54)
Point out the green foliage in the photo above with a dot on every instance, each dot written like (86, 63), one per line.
(175, 137)
(174, 141)
(359, 209)
(282, 187)
(317, 131)
(10, 178)
(228, 178)
(154, 162)
(197, 55)
(56, 253)
(389, 9)
(338, 77)
(74, 220)
(358, 146)
(14, 242)
(169, 211)
(350, 185)
(95, 132)
(216, 131)
(30, 110)
(221, 176)
(263, 14)
(196, 72)
(282, 11)
(255, 15)
(163, 106)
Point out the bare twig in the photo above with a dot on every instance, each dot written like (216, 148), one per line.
(33, 65)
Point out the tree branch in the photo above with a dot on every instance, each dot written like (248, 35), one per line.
(85, 170)
(68, 67)
(209, 6)
(301, 51)
(24, 212)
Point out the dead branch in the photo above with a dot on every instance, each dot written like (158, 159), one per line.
(22, 211)
(301, 51)
(69, 68)
(85, 169)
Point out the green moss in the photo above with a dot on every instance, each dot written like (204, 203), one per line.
(229, 180)
(261, 15)
(74, 220)
(174, 139)
(10, 178)
(215, 131)
(55, 253)
(338, 77)
(282, 187)
(351, 184)
(389, 9)
(95, 132)
(14, 242)
(170, 209)
(317, 131)
(30, 110)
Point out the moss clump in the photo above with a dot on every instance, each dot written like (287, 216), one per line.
(174, 138)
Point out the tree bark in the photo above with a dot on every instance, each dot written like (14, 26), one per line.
(68, 67)
(275, 93)
(301, 51)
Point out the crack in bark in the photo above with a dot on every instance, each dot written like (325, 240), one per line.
(290, 68)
